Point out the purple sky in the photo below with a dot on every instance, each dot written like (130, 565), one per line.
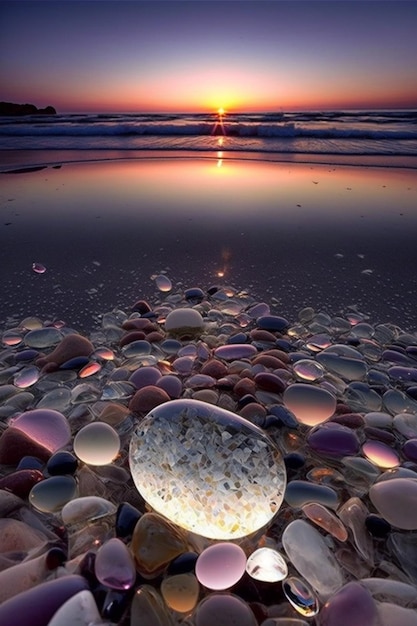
(97, 55)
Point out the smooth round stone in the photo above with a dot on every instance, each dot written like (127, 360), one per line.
(144, 376)
(62, 462)
(163, 283)
(80, 610)
(274, 323)
(43, 337)
(308, 370)
(171, 384)
(220, 566)
(377, 419)
(396, 501)
(86, 509)
(180, 592)
(327, 520)
(393, 615)
(409, 450)
(141, 347)
(184, 322)
(97, 443)
(311, 405)
(406, 424)
(41, 602)
(147, 398)
(206, 469)
(155, 543)
(311, 556)
(231, 352)
(21, 482)
(53, 493)
(89, 370)
(352, 605)
(379, 453)
(300, 492)
(26, 377)
(224, 610)
(47, 427)
(347, 368)
(267, 565)
(114, 566)
(333, 440)
(127, 517)
(194, 295)
(269, 382)
(301, 597)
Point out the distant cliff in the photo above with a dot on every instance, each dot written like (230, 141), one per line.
(10, 108)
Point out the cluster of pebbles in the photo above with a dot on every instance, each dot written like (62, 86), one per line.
(295, 443)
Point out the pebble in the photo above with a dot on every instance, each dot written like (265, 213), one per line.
(220, 566)
(97, 443)
(310, 404)
(215, 474)
(396, 501)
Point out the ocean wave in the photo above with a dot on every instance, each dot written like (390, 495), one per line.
(181, 128)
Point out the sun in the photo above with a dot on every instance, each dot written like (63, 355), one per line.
(220, 111)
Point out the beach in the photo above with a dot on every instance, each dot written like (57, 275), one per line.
(299, 272)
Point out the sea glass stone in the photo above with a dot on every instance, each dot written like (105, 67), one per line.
(310, 404)
(267, 565)
(97, 443)
(206, 469)
(396, 501)
(180, 592)
(53, 493)
(114, 565)
(220, 566)
(301, 597)
(224, 610)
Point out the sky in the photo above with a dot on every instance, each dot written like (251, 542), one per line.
(200, 55)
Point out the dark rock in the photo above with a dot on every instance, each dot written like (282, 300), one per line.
(11, 108)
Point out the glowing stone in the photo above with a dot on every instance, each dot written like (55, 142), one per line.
(97, 444)
(180, 592)
(380, 454)
(163, 283)
(47, 427)
(206, 469)
(310, 404)
(267, 565)
(220, 566)
(184, 322)
(308, 370)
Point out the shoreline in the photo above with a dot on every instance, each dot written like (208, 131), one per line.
(11, 159)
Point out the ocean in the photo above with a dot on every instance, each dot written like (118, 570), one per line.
(342, 133)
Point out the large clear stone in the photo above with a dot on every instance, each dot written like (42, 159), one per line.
(206, 469)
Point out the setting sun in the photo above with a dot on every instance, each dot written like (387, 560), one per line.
(221, 111)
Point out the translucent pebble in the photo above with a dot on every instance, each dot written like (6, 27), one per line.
(86, 509)
(300, 595)
(163, 283)
(58, 399)
(80, 610)
(114, 566)
(220, 566)
(47, 427)
(224, 610)
(311, 556)
(311, 405)
(89, 370)
(103, 353)
(267, 565)
(26, 377)
(393, 615)
(235, 351)
(327, 520)
(180, 592)
(396, 501)
(53, 493)
(207, 469)
(353, 514)
(38, 268)
(406, 424)
(333, 440)
(380, 454)
(308, 369)
(149, 609)
(409, 450)
(347, 368)
(299, 492)
(97, 443)
(352, 605)
(43, 337)
(184, 322)
(12, 337)
(395, 401)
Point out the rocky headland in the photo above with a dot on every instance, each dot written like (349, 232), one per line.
(10, 108)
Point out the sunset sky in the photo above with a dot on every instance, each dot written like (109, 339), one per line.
(191, 56)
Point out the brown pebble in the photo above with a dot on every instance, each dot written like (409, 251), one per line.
(113, 413)
(68, 348)
(133, 335)
(147, 398)
(142, 307)
(262, 335)
(253, 411)
(154, 336)
(269, 382)
(279, 354)
(244, 386)
(21, 482)
(351, 420)
(272, 362)
(138, 324)
(213, 367)
(14, 445)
